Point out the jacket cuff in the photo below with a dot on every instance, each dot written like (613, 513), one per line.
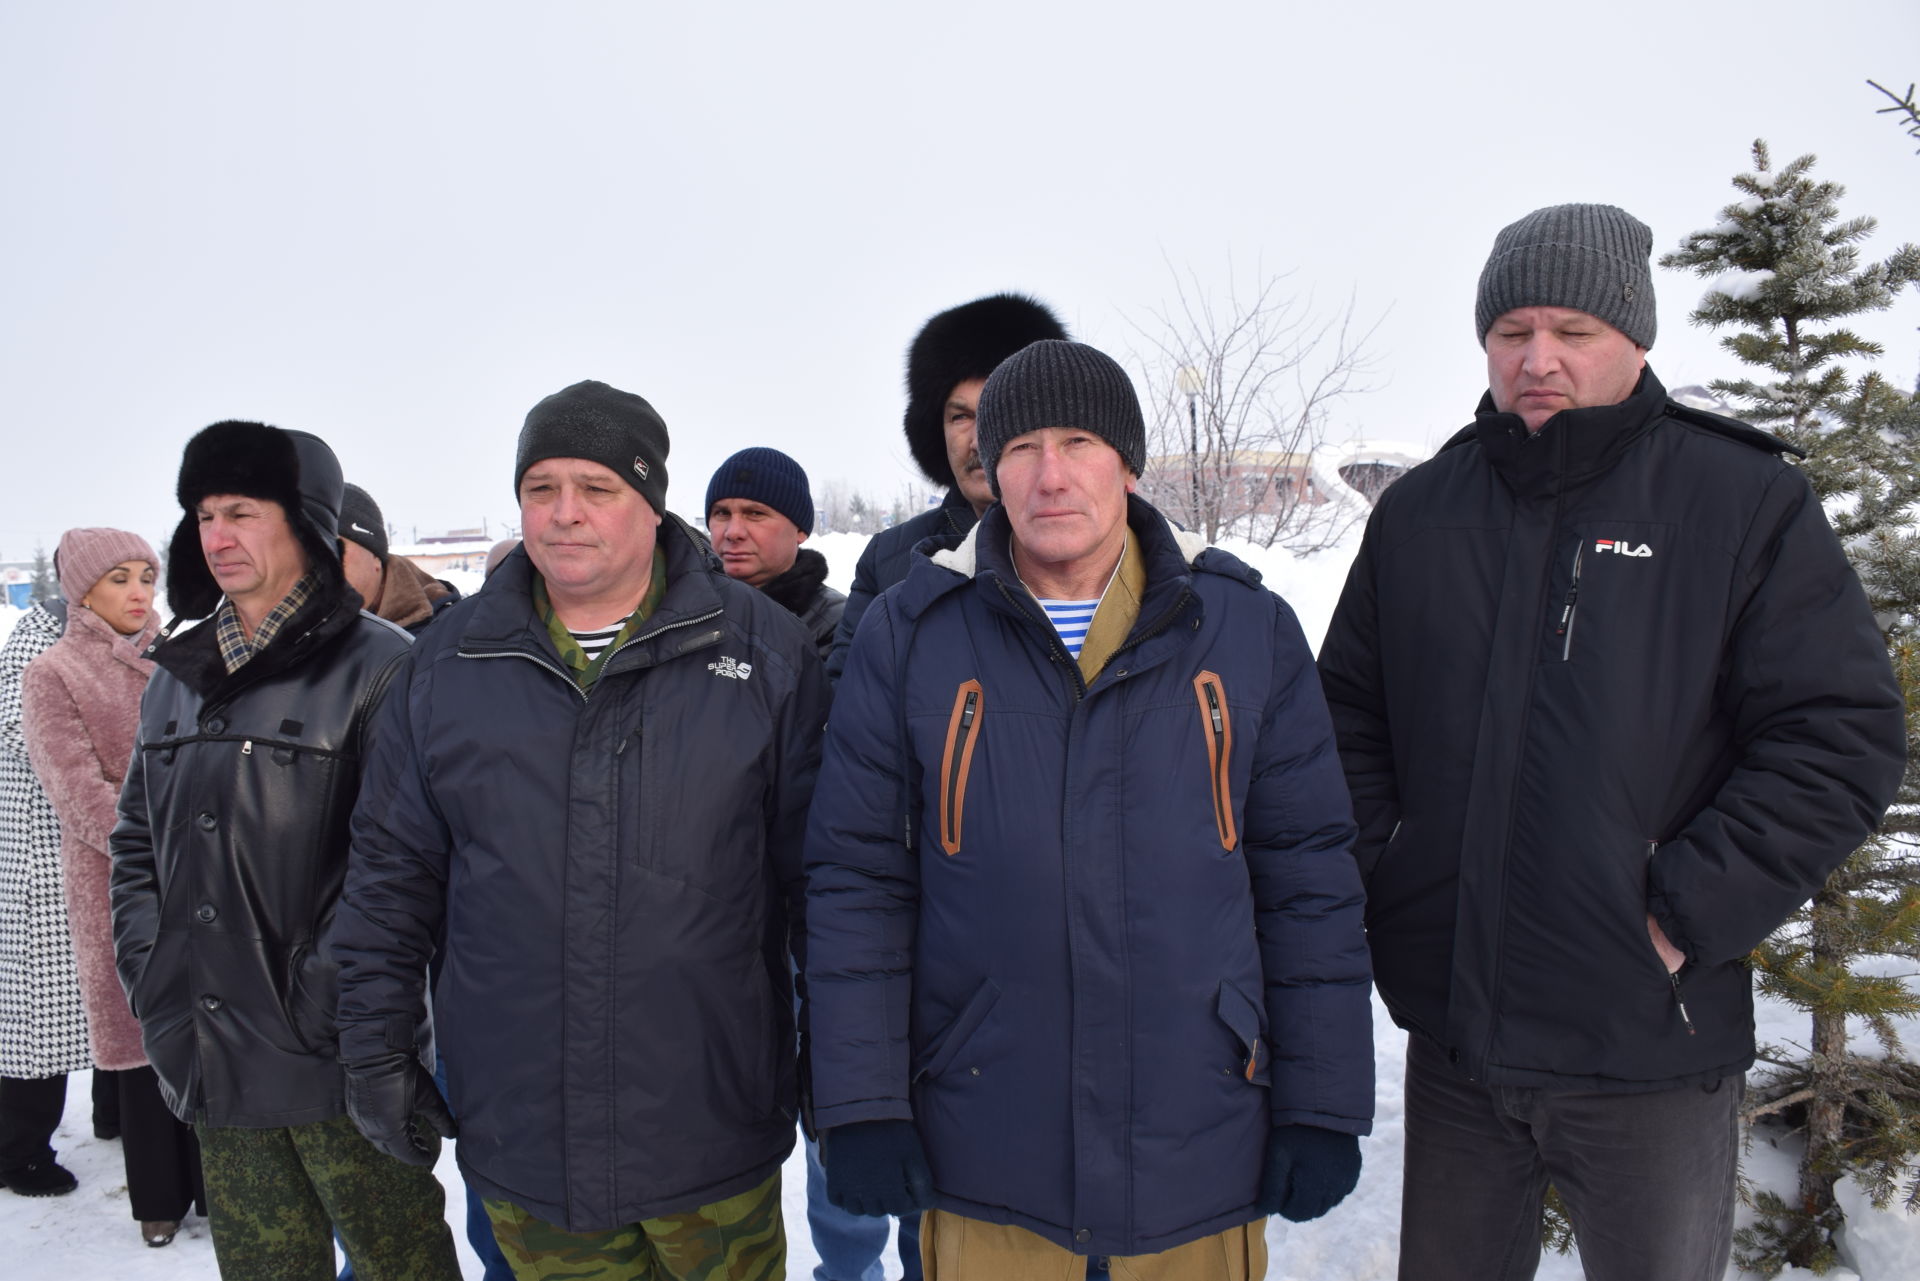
(826, 1118)
(1325, 1121)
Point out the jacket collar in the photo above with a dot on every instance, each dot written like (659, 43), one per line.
(193, 656)
(84, 627)
(505, 621)
(1172, 556)
(1572, 447)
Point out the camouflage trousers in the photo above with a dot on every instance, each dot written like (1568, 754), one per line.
(276, 1197)
(741, 1238)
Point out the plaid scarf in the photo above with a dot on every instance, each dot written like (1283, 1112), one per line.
(235, 646)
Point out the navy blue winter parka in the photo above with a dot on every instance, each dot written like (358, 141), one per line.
(609, 878)
(1124, 932)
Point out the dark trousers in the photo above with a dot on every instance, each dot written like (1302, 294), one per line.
(106, 1101)
(1648, 1179)
(30, 1110)
(162, 1154)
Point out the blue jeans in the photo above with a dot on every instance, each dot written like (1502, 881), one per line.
(850, 1245)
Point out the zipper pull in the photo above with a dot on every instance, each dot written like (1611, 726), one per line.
(1566, 612)
(1674, 979)
(246, 748)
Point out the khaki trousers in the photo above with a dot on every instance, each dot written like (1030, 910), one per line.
(956, 1248)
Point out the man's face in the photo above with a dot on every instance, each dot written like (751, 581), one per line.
(963, 450)
(1065, 491)
(756, 543)
(1541, 360)
(586, 530)
(365, 573)
(251, 549)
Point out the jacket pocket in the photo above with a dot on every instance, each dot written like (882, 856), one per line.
(1242, 1016)
(954, 1037)
(963, 732)
(1216, 727)
(313, 984)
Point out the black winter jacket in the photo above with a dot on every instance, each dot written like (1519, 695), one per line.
(608, 877)
(1616, 666)
(803, 590)
(228, 859)
(888, 556)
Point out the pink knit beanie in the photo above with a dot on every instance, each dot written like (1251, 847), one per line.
(86, 555)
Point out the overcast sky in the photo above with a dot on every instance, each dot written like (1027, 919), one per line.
(398, 225)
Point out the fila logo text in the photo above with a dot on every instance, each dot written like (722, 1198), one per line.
(1621, 547)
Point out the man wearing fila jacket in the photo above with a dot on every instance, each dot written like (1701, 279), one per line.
(1611, 705)
(1110, 998)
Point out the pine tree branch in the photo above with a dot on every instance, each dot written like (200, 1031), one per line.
(1904, 106)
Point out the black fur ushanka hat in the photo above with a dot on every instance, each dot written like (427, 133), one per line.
(960, 343)
(292, 468)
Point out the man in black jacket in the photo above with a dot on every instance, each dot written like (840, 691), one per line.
(759, 511)
(587, 797)
(1611, 704)
(947, 365)
(228, 859)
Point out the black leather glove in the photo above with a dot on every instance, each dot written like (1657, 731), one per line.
(394, 1103)
(876, 1167)
(1309, 1171)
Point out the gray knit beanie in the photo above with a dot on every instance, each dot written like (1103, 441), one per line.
(1592, 258)
(601, 424)
(1056, 383)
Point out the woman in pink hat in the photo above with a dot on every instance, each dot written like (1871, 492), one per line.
(81, 705)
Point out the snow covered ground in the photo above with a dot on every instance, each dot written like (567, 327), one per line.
(89, 1234)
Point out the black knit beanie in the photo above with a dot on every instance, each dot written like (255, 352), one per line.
(601, 424)
(766, 476)
(361, 521)
(1055, 383)
(1592, 258)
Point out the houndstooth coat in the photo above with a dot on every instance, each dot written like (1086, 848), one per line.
(43, 1030)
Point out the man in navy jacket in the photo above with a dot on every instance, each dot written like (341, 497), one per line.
(1612, 704)
(587, 793)
(1087, 971)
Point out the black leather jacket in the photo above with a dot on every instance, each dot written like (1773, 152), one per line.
(229, 855)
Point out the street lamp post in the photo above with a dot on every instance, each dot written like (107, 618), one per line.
(1191, 382)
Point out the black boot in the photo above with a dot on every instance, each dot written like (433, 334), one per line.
(45, 1177)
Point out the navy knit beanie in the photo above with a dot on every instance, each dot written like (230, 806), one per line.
(767, 476)
(1055, 383)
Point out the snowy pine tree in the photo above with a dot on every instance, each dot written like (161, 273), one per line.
(1784, 268)
(43, 585)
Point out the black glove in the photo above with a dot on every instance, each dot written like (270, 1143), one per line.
(393, 1102)
(876, 1167)
(1309, 1171)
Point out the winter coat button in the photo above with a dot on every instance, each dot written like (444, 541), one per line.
(210, 1003)
(207, 823)
(206, 912)
(216, 726)
(1083, 1236)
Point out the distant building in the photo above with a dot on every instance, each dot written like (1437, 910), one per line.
(463, 550)
(1369, 467)
(1260, 482)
